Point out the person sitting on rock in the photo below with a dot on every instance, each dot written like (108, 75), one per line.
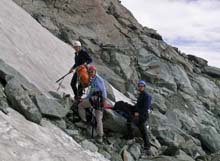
(97, 89)
(81, 57)
(140, 116)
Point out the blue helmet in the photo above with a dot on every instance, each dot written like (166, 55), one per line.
(142, 82)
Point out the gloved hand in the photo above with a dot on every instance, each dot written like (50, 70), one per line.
(71, 70)
(136, 114)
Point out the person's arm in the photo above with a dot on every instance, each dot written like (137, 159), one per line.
(87, 58)
(104, 94)
(73, 68)
(75, 65)
(102, 88)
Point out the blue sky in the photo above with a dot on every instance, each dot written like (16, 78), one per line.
(191, 25)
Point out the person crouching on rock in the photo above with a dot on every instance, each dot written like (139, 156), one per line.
(97, 92)
(140, 117)
(81, 57)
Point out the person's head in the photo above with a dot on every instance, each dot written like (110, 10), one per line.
(141, 85)
(92, 71)
(77, 46)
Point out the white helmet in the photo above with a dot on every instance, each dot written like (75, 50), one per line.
(76, 43)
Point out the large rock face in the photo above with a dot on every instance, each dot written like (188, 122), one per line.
(186, 92)
(118, 42)
(31, 49)
(123, 50)
(23, 140)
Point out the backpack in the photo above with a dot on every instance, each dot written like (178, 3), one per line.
(123, 108)
(83, 75)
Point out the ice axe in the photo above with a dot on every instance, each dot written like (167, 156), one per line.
(63, 77)
(60, 85)
(60, 80)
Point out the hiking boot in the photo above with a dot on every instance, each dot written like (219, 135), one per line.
(147, 153)
(99, 139)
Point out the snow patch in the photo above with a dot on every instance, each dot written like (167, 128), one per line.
(120, 96)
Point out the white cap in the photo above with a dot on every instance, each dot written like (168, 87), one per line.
(76, 43)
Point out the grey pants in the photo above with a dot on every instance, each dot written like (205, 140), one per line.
(98, 115)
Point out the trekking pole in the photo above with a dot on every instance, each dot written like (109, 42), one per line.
(63, 77)
(92, 131)
(92, 122)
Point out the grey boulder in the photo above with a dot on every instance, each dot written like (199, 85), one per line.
(21, 101)
(210, 138)
(114, 122)
(50, 107)
(135, 150)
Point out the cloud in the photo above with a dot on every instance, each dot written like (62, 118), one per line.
(191, 25)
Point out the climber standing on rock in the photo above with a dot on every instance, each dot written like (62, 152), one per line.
(81, 57)
(140, 117)
(96, 98)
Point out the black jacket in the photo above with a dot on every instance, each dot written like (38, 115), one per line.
(81, 58)
(142, 103)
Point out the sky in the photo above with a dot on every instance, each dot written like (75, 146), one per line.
(191, 25)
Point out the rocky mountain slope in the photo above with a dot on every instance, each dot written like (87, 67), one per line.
(185, 123)
(124, 49)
